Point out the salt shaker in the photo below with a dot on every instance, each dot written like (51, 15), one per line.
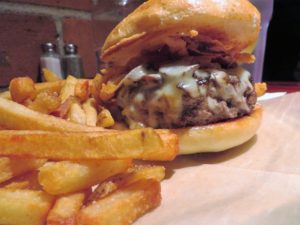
(72, 63)
(50, 59)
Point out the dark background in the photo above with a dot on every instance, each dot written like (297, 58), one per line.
(283, 43)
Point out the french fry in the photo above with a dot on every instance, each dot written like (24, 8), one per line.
(5, 94)
(54, 86)
(65, 209)
(102, 190)
(66, 177)
(68, 89)
(20, 207)
(95, 86)
(260, 89)
(14, 166)
(133, 175)
(50, 76)
(22, 88)
(140, 172)
(76, 114)
(46, 86)
(105, 118)
(17, 185)
(63, 109)
(108, 90)
(45, 102)
(18, 117)
(123, 206)
(82, 90)
(27, 181)
(143, 144)
(89, 107)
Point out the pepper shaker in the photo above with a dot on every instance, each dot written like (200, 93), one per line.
(72, 63)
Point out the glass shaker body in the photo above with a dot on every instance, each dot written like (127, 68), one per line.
(72, 62)
(51, 60)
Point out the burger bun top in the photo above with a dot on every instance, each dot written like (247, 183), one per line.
(232, 25)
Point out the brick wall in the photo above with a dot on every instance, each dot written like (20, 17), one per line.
(26, 24)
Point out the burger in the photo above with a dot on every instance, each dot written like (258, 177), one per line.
(176, 64)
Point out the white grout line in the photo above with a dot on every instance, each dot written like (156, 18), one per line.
(60, 38)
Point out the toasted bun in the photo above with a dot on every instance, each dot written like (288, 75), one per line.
(219, 136)
(231, 24)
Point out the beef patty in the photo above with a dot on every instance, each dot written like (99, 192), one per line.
(180, 95)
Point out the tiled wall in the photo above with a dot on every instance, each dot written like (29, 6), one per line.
(26, 24)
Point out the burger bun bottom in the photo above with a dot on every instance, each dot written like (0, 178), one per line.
(219, 136)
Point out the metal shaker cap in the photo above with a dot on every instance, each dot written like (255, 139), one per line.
(48, 47)
(70, 49)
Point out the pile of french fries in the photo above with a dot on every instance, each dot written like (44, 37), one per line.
(76, 100)
(59, 164)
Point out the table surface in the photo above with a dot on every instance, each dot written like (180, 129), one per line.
(288, 87)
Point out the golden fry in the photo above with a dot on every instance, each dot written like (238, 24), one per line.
(143, 144)
(18, 117)
(22, 88)
(50, 76)
(82, 90)
(76, 114)
(68, 89)
(14, 166)
(63, 109)
(103, 189)
(27, 181)
(45, 102)
(95, 86)
(5, 94)
(133, 175)
(105, 119)
(17, 185)
(140, 172)
(66, 177)
(260, 89)
(54, 86)
(123, 206)
(20, 207)
(107, 91)
(89, 107)
(65, 209)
